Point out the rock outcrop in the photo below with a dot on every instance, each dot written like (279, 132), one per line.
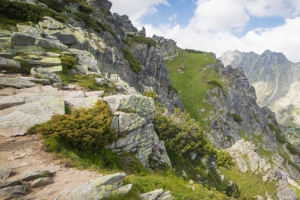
(247, 158)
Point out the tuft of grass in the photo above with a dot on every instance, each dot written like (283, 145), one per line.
(248, 182)
(133, 62)
(215, 83)
(53, 4)
(133, 40)
(171, 182)
(235, 117)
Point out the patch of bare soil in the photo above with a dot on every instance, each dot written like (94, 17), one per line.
(26, 154)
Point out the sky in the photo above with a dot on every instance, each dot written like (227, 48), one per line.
(220, 25)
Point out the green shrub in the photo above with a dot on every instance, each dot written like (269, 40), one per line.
(194, 51)
(280, 138)
(68, 62)
(215, 83)
(182, 135)
(171, 88)
(133, 62)
(83, 129)
(85, 8)
(224, 159)
(106, 27)
(25, 11)
(133, 40)
(32, 130)
(233, 191)
(235, 117)
(151, 94)
(89, 21)
(53, 4)
(25, 68)
(291, 148)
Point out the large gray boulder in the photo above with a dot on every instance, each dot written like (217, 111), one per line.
(15, 83)
(98, 189)
(12, 192)
(42, 73)
(9, 63)
(86, 61)
(37, 108)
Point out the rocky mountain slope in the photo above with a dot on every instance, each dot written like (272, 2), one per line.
(59, 60)
(276, 81)
(230, 114)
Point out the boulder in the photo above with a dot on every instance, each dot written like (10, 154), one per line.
(9, 183)
(101, 81)
(43, 61)
(99, 188)
(42, 73)
(12, 192)
(36, 174)
(37, 80)
(52, 24)
(9, 63)
(15, 83)
(85, 59)
(153, 195)
(41, 182)
(37, 108)
(4, 173)
(22, 39)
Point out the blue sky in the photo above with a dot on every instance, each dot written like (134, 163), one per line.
(220, 25)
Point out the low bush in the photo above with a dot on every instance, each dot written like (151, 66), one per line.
(53, 4)
(133, 40)
(25, 11)
(151, 94)
(171, 88)
(235, 117)
(224, 159)
(68, 62)
(194, 51)
(182, 135)
(83, 129)
(292, 149)
(280, 138)
(215, 83)
(88, 20)
(85, 8)
(106, 27)
(133, 62)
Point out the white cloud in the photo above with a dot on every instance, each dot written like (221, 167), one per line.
(136, 9)
(216, 15)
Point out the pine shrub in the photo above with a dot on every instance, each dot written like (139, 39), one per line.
(133, 62)
(83, 129)
(235, 117)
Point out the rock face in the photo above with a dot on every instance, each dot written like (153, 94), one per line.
(240, 116)
(276, 81)
(132, 117)
(166, 48)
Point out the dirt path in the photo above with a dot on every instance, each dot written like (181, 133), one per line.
(26, 154)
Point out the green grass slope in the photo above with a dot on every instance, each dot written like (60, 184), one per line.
(191, 77)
